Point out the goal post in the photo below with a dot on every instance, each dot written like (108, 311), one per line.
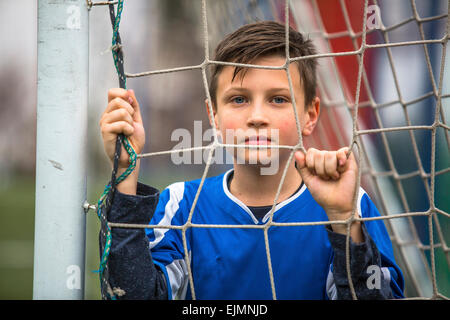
(61, 149)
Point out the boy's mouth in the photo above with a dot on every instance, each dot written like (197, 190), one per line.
(257, 140)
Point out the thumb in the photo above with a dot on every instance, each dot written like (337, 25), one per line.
(300, 159)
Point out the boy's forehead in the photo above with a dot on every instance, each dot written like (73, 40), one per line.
(268, 78)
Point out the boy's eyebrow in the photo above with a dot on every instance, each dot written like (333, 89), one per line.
(241, 89)
(233, 90)
(279, 89)
(238, 89)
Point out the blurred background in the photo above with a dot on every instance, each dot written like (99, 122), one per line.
(160, 34)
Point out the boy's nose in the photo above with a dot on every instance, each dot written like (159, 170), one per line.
(257, 116)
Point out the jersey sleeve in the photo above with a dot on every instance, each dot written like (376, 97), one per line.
(378, 232)
(166, 244)
(130, 267)
(374, 272)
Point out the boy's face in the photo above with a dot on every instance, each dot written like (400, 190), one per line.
(257, 110)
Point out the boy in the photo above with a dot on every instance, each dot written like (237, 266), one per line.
(231, 263)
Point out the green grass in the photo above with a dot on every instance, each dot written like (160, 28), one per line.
(16, 239)
(17, 204)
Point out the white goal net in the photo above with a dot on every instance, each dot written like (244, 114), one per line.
(384, 87)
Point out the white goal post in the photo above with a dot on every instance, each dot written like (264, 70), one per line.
(61, 149)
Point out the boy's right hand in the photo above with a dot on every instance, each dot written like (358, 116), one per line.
(122, 115)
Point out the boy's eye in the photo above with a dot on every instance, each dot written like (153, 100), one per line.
(238, 100)
(279, 100)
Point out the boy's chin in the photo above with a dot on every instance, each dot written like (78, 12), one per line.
(268, 164)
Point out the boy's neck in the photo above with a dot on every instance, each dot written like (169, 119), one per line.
(254, 189)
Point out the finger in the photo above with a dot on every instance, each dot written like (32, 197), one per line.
(135, 105)
(331, 165)
(341, 155)
(319, 164)
(117, 93)
(310, 155)
(115, 128)
(300, 158)
(302, 168)
(118, 103)
(117, 115)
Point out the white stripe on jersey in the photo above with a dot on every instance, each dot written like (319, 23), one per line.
(331, 286)
(178, 278)
(362, 192)
(176, 191)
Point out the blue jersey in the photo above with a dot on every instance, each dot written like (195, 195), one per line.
(231, 263)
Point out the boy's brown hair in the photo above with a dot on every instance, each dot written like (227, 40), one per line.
(260, 39)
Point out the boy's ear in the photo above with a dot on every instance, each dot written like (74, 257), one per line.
(209, 115)
(311, 117)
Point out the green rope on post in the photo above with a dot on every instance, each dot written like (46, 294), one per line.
(118, 61)
(102, 202)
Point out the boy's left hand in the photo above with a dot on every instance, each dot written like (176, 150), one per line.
(331, 179)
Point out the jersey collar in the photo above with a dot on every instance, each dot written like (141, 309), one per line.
(244, 206)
